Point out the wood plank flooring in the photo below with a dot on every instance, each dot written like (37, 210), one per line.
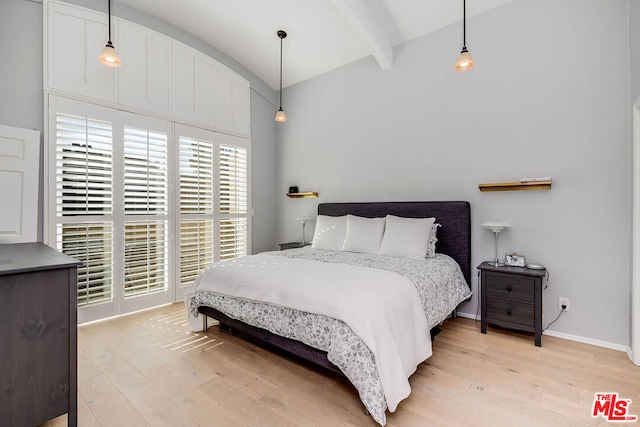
(148, 369)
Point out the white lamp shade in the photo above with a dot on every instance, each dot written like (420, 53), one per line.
(465, 61)
(109, 56)
(496, 226)
(280, 116)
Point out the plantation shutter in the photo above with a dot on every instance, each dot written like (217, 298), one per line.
(197, 185)
(84, 185)
(145, 204)
(146, 210)
(232, 169)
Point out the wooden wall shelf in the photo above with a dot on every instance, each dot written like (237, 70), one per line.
(516, 186)
(306, 195)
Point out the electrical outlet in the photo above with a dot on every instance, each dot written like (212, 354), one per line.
(563, 301)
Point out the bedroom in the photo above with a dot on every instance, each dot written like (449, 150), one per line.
(549, 114)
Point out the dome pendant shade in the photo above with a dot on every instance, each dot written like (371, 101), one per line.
(109, 56)
(280, 116)
(465, 61)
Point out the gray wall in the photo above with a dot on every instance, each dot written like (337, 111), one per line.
(634, 48)
(21, 94)
(549, 96)
(21, 73)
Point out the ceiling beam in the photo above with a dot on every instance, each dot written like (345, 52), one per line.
(361, 19)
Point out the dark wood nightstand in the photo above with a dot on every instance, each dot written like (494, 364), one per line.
(512, 297)
(291, 245)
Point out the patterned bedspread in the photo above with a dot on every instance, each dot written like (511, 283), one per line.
(440, 284)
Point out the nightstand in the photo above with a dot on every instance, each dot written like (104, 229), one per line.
(291, 245)
(512, 297)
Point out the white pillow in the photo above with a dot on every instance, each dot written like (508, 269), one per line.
(406, 237)
(329, 233)
(363, 234)
(433, 239)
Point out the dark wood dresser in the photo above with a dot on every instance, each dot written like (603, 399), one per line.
(511, 297)
(38, 329)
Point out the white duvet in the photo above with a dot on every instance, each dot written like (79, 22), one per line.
(382, 307)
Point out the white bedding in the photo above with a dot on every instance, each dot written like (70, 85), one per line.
(382, 307)
(439, 282)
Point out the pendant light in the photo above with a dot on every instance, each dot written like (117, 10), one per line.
(109, 56)
(465, 61)
(280, 116)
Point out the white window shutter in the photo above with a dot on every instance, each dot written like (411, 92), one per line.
(84, 187)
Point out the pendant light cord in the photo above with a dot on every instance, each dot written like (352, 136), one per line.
(109, 8)
(281, 72)
(464, 24)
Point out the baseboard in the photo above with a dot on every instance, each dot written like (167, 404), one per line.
(570, 337)
(467, 315)
(584, 340)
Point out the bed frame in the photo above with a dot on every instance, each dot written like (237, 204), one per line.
(454, 239)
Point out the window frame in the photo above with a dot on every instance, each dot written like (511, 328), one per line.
(119, 119)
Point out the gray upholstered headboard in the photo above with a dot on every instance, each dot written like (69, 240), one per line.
(454, 237)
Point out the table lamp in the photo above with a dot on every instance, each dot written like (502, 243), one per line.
(496, 227)
(303, 220)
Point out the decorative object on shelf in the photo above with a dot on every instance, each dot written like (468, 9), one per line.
(109, 56)
(515, 260)
(465, 61)
(496, 227)
(280, 116)
(293, 189)
(304, 195)
(303, 220)
(523, 184)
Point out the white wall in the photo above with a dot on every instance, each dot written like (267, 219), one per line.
(549, 96)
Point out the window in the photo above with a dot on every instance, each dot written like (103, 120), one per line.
(143, 210)
(84, 184)
(146, 211)
(233, 201)
(214, 197)
(197, 175)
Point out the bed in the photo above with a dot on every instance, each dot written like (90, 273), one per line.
(348, 349)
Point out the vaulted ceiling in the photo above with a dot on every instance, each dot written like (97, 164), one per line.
(322, 34)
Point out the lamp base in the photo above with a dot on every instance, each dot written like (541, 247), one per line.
(495, 263)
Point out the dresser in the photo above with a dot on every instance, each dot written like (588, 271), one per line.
(38, 321)
(511, 297)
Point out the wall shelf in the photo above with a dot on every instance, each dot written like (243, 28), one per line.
(516, 186)
(305, 195)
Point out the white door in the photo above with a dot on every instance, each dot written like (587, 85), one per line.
(19, 175)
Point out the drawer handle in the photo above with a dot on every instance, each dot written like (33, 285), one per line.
(509, 311)
(509, 288)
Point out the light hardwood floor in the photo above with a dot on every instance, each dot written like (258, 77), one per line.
(148, 369)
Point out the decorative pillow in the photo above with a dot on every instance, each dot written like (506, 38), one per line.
(363, 234)
(433, 239)
(329, 234)
(406, 237)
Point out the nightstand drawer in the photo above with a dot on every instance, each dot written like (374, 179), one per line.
(511, 297)
(511, 287)
(510, 311)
